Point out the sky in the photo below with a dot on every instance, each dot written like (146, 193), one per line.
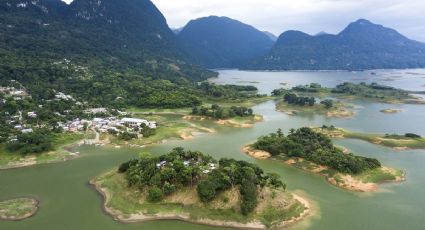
(310, 16)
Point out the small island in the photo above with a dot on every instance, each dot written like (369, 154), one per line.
(391, 111)
(18, 209)
(312, 151)
(234, 116)
(348, 90)
(293, 104)
(395, 141)
(193, 187)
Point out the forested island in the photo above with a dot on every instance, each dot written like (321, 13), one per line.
(293, 104)
(234, 116)
(347, 90)
(191, 186)
(312, 151)
(18, 209)
(395, 141)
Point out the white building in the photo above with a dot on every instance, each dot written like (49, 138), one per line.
(134, 121)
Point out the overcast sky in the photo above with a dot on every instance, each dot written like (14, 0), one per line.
(310, 16)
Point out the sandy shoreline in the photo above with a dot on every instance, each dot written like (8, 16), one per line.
(348, 182)
(140, 218)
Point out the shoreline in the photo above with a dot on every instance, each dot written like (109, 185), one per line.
(33, 162)
(249, 123)
(141, 218)
(349, 183)
(34, 211)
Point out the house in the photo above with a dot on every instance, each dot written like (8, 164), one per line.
(27, 131)
(134, 121)
(31, 114)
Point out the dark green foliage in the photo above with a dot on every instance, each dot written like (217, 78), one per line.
(372, 90)
(229, 92)
(327, 103)
(146, 131)
(38, 141)
(217, 112)
(248, 192)
(126, 136)
(362, 45)
(220, 42)
(165, 174)
(155, 194)
(317, 148)
(206, 191)
(412, 135)
(293, 99)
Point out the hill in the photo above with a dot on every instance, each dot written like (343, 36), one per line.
(361, 45)
(221, 42)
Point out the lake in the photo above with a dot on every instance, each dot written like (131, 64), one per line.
(68, 202)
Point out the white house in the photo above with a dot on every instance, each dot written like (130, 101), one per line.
(134, 121)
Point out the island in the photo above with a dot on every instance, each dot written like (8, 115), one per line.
(293, 104)
(234, 116)
(395, 141)
(18, 209)
(194, 187)
(373, 91)
(312, 151)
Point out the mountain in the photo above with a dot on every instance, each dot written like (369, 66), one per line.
(105, 53)
(105, 34)
(221, 42)
(270, 35)
(361, 45)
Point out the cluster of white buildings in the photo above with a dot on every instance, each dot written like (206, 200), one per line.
(104, 125)
(17, 94)
(206, 170)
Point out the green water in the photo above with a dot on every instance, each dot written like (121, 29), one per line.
(68, 202)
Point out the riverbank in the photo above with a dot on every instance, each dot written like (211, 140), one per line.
(367, 181)
(397, 142)
(275, 208)
(62, 144)
(18, 209)
(236, 122)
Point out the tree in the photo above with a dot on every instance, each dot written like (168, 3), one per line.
(206, 191)
(327, 103)
(155, 195)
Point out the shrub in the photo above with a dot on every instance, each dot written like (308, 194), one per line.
(155, 194)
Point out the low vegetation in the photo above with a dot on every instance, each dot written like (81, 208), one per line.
(400, 142)
(18, 209)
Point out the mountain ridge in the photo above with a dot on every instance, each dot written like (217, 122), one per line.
(361, 45)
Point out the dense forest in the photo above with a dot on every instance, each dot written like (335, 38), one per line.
(315, 147)
(164, 175)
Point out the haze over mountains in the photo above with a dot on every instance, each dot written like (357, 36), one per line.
(361, 45)
(221, 42)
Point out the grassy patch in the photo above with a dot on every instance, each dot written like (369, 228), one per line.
(16, 209)
(60, 141)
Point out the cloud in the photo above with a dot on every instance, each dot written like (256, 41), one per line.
(310, 16)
